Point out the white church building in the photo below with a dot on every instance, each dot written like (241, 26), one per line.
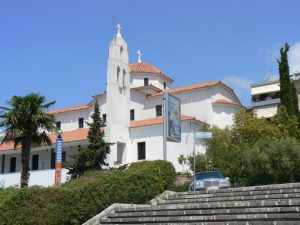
(132, 108)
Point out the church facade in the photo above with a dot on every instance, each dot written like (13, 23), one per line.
(132, 107)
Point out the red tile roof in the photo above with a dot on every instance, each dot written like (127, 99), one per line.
(147, 87)
(157, 120)
(68, 136)
(227, 102)
(143, 67)
(70, 109)
(189, 87)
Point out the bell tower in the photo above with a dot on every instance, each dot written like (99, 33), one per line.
(118, 98)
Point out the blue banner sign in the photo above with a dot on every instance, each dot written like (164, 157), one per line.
(173, 119)
(59, 144)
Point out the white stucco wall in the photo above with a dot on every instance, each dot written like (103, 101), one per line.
(152, 135)
(265, 88)
(69, 120)
(144, 107)
(266, 111)
(223, 115)
(44, 153)
(102, 104)
(137, 80)
(197, 103)
(42, 177)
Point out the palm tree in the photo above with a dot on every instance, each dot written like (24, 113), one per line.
(26, 123)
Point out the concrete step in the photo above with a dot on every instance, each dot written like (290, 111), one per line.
(218, 205)
(245, 189)
(192, 212)
(221, 223)
(231, 198)
(236, 193)
(210, 218)
(260, 205)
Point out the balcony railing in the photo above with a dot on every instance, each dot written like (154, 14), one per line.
(266, 102)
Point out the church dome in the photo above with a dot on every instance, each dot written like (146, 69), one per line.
(142, 67)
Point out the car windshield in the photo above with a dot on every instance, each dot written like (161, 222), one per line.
(207, 175)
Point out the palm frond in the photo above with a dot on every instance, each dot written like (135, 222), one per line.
(4, 108)
(47, 105)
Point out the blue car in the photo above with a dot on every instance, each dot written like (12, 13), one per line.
(209, 180)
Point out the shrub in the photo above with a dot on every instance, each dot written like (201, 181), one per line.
(6, 194)
(180, 188)
(273, 161)
(80, 199)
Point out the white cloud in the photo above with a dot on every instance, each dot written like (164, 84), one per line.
(294, 58)
(241, 86)
(273, 54)
(273, 77)
(238, 83)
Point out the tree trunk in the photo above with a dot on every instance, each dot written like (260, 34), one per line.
(25, 157)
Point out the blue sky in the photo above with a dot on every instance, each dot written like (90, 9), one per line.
(60, 48)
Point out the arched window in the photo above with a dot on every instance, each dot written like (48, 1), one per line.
(121, 50)
(124, 74)
(118, 73)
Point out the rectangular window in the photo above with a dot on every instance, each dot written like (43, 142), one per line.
(146, 81)
(64, 157)
(58, 125)
(141, 150)
(104, 118)
(3, 162)
(35, 162)
(131, 114)
(13, 163)
(52, 159)
(158, 110)
(165, 85)
(80, 122)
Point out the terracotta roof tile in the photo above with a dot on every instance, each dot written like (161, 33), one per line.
(227, 102)
(70, 109)
(188, 87)
(147, 87)
(157, 120)
(143, 67)
(68, 136)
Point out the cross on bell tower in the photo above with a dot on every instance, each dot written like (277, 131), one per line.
(118, 91)
(139, 53)
(118, 26)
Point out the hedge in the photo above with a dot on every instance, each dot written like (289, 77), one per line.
(79, 200)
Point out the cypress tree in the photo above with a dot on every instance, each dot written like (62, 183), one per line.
(286, 90)
(93, 157)
(97, 147)
(295, 102)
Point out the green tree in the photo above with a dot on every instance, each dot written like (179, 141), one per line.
(93, 157)
(26, 124)
(202, 162)
(182, 161)
(285, 125)
(295, 102)
(288, 95)
(230, 150)
(273, 161)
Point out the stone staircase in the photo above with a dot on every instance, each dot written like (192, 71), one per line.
(260, 205)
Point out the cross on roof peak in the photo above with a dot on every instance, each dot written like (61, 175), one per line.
(139, 53)
(118, 26)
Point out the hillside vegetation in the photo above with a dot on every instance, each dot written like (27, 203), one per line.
(80, 199)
